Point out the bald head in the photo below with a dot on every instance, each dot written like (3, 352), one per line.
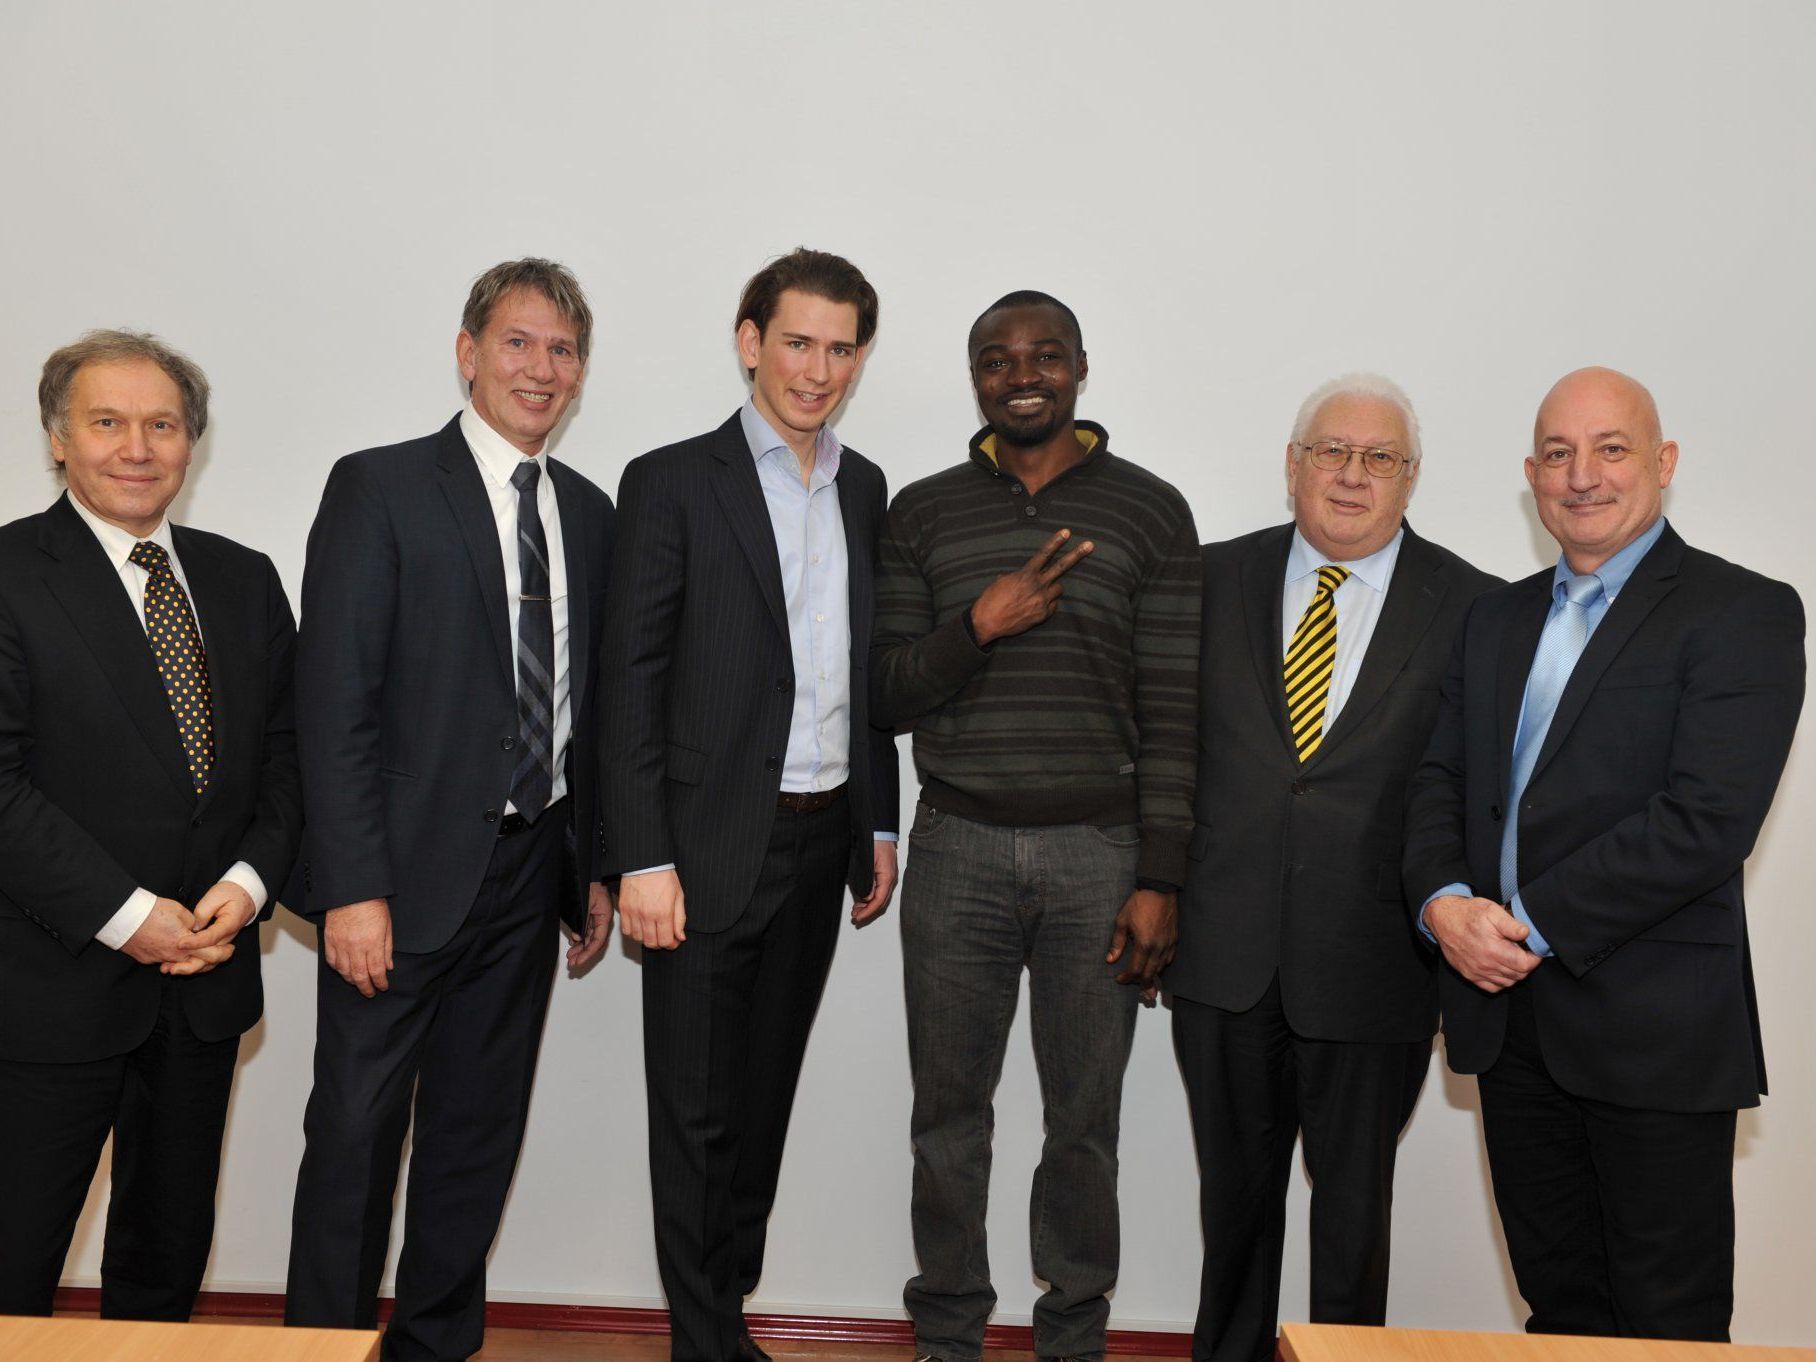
(1605, 389)
(1599, 467)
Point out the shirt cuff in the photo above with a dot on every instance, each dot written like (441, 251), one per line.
(1535, 940)
(247, 878)
(886, 836)
(118, 929)
(1461, 890)
(649, 870)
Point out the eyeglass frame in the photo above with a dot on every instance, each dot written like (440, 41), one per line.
(1351, 452)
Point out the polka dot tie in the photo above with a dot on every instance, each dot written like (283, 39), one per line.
(182, 665)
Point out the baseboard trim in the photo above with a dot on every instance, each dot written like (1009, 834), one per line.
(611, 1319)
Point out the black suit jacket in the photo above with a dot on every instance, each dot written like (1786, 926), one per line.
(700, 676)
(1645, 801)
(1296, 868)
(406, 691)
(95, 794)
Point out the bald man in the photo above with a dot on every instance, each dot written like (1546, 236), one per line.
(1608, 742)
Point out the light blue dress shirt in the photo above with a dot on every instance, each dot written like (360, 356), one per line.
(810, 545)
(1613, 575)
(1357, 602)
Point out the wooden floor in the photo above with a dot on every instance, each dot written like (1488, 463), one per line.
(534, 1345)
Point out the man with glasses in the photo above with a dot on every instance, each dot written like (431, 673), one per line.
(1611, 734)
(1303, 1002)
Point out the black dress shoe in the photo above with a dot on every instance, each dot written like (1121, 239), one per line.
(750, 1350)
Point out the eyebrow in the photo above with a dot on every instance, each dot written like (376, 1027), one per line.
(1032, 345)
(161, 414)
(802, 335)
(1596, 438)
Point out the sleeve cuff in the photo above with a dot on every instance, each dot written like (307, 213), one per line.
(1460, 890)
(886, 836)
(649, 870)
(118, 929)
(247, 878)
(1535, 940)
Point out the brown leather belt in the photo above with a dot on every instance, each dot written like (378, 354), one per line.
(811, 801)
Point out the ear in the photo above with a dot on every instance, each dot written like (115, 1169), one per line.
(1084, 367)
(1667, 463)
(57, 446)
(1292, 469)
(466, 353)
(750, 342)
(857, 366)
(1532, 474)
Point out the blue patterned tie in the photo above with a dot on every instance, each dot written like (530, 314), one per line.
(1566, 635)
(535, 774)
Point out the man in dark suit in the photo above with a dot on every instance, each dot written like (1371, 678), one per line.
(148, 807)
(1303, 1002)
(452, 600)
(744, 788)
(1609, 738)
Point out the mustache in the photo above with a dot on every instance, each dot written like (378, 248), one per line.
(1588, 499)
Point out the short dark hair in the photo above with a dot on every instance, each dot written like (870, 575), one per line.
(120, 347)
(553, 281)
(1027, 297)
(820, 273)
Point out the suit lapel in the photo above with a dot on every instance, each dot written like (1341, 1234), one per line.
(574, 538)
(1414, 594)
(465, 491)
(89, 590)
(741, 494)
(1653, 579)
(1524, 622)
(219, 610)
(1263, 576)
(855, 509)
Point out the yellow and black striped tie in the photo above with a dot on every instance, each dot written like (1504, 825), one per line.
(1309, 660)
(182, 665)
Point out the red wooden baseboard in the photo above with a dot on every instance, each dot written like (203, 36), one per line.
(613, 1319)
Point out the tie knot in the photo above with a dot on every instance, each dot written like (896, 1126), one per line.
(1583, 590)
(524, 479)
(1330, 577)
(149, 556)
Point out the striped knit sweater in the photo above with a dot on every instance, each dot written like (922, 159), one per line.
(1090, 717)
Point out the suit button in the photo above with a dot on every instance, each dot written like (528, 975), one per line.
(491, 815)
(195, 822)
(507, 743)
(1301, 787)
(769, 763)
(782, 683)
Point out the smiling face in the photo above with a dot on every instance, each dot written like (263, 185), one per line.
(1349, 514)
(125, 449)
(1026, 365)
(804, 360)
(1598, 468)
(524, 368)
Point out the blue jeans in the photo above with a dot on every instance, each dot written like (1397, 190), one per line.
(980, 902)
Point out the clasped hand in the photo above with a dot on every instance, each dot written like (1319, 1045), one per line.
(182, 942)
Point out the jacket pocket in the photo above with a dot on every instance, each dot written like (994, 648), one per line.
(685, 766)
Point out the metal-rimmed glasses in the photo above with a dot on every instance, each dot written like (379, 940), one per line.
(1333, 456)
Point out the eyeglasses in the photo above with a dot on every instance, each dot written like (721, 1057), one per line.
(1333, 456)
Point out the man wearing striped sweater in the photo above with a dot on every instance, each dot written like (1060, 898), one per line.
(1037, 627)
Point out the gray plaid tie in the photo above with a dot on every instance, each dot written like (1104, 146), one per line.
(535, 774)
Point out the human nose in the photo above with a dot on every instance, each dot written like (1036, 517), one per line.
(819, 365)
(1585, 470)
(1352, 474)
(136, 447)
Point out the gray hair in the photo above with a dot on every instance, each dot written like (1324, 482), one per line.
(120, 347)
(1360, 385)
(553, 281)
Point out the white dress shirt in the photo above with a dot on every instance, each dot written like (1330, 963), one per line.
(498, 459)
(117, 544)
(1358, 603)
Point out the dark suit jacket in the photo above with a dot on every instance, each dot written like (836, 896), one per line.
(699, 675)
(95, 794)
(1647, 795)
(1296, 869)
(406, 691)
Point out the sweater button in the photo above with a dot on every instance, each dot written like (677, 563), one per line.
(1030, 509)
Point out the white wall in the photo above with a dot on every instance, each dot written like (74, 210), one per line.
(1239, 200)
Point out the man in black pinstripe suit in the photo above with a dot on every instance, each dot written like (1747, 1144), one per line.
(744, 788)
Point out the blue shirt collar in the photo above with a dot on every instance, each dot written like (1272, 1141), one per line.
(1615, 572)
(763, 441)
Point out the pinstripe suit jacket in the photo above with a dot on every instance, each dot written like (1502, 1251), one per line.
(697, 677)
